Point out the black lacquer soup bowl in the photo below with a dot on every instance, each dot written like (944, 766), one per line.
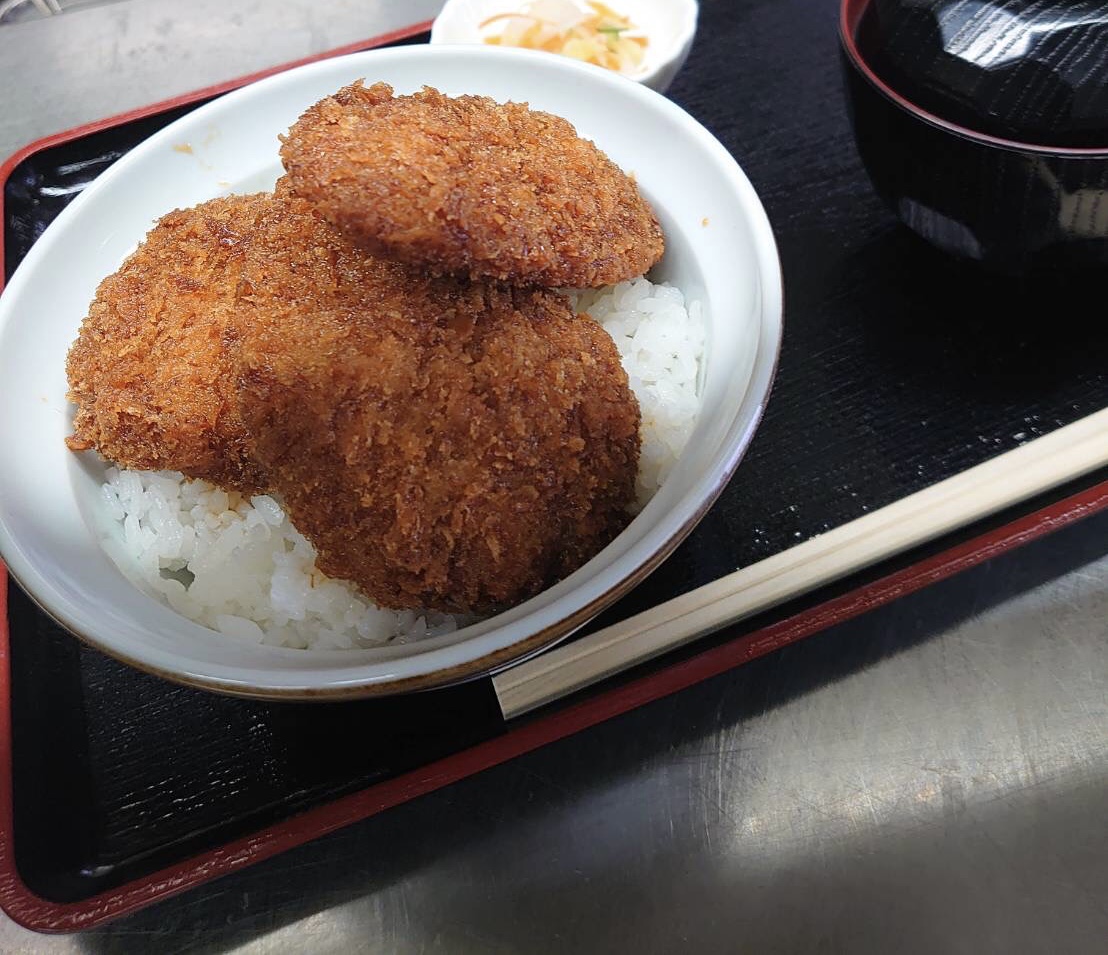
(984, 123)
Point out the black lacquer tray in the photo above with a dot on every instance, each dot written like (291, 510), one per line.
(900, 368)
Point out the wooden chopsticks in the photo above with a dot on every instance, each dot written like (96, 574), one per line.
(1016, 475)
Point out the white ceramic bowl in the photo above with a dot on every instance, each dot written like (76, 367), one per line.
(719, 250)
(669, 25)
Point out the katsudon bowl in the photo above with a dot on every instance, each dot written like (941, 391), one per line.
(53, 522)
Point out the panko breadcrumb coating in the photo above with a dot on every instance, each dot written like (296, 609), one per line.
(149, 372)
(152, 370)
(446, 445)
(466, 185)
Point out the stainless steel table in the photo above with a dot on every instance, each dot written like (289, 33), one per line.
(932, 777)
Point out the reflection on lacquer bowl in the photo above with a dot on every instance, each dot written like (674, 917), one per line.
(984, 123)
(720, 251)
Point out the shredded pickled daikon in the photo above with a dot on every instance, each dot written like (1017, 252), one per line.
(594, 33)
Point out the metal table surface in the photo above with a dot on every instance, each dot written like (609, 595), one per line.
(931, 777)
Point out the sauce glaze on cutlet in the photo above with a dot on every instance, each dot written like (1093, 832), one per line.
(150, 371)
(466, 185)
(446, 445)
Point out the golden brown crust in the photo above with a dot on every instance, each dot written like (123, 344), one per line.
(470, 186)
(444, 444)
(149, 372)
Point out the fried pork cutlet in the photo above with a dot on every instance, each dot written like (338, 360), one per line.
(466, 185)
(152, 369)
(444, 444)
(149, 372)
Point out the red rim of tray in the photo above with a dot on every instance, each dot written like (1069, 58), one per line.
(33, 912)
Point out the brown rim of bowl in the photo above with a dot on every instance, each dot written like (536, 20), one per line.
(490, 662)
(850, 14)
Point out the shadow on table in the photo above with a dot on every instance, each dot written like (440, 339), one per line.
(497, 852)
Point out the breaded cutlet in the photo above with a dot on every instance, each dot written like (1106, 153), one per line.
(469, 186)
(446, 445)
(149, 371)
(152, 369)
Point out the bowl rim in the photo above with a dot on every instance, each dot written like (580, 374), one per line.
(677, 45)
(766, 265)
(850, 15)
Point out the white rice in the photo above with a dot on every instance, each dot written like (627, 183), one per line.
(660, 343)
(238, 566)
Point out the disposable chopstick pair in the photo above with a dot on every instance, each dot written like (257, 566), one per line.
(1044, 463)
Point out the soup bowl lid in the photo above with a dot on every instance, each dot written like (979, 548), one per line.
(1030, 71)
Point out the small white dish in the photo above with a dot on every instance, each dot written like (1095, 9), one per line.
(720, 250)
(670, 26)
